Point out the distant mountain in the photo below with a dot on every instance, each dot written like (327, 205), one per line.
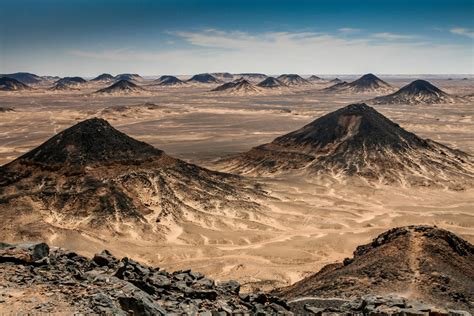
(425, 263)
(271, 82)
(129, 77)
(71, 81)
(92, 176)
(315, 78)
(24, 77)
(358, 141)
(169, 81)
(203, 78)
(336, 80)
(238, 87)
(104, 77)
(292, 80)
(417, 92)
(253, 77)
(368, 83)
(122, 87)
(10, 84)
(224, 76)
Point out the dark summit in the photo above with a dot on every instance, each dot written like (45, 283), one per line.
(24, 77)
(128, 77)
(416, 92)
(122, 86)
(359, 141)
(168, 81)
(366, 84)
(71, 81)
(271, 82)
(204, 78)
(10, 84)
(292, 79)
(104, 77)
(88, 142)
(357, 125)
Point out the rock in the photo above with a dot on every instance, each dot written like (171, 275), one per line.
(24, 253)
(231, 286)
(104, 258)
(458, 313)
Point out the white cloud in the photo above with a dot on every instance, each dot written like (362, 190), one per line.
(349, 30)
(462, 31)
(392, 37)
(278, 52)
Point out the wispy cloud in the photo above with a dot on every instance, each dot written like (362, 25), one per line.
(304, 52)
(392, 37)
(462, 31)
(348, 30)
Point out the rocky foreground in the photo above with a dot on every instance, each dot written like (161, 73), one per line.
(37, 279)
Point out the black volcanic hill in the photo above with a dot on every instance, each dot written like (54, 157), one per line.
(204, 78)
(336, 80)
(104, 77)
(122, 87)
(252, 76)
(315, 78)
(422, 262)
(10, 84)
(292, 80)
(359, 141)
(368, 83)
(223, 75)
(271, 82)
(129, 77)
(416, 92)
(71, 80)
(23, 77)
(90, 142)
(239, 87)
(93, 178)
(337, 86)
(169, 81)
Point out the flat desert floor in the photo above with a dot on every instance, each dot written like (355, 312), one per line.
(309, 222)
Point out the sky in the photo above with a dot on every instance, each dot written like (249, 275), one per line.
(89, 37)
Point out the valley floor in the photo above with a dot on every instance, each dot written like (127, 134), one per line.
(308, 222)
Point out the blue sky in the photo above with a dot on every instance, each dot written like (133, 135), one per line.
(85, 37)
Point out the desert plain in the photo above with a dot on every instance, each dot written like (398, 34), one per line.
(307, 222)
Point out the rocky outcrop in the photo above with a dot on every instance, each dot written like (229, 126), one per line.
(422, 263)
(358, 141)
(67, 282)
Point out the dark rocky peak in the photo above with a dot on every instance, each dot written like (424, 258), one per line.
(10, 84)
(204, 78)
(88, 142)
(71, 80)
(356, 123)
(168, 80)
(24, 77)
(271, 82)
(421, 86)
(103, 77)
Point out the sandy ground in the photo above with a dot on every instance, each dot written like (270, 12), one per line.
(310, 222)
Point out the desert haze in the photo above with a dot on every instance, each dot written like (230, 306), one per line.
(263, 180)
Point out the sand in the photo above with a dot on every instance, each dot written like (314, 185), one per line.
(308, 223)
